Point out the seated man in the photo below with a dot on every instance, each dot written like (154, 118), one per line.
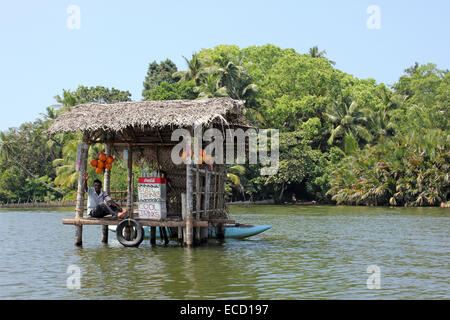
(99, 203)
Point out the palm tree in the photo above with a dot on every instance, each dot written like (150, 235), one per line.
(66, 175)
(381, 124)
(66, 102)
(210, 88)
(234, 173)
(194, 71)
(315, 53)
(347, 119)
(234, 77)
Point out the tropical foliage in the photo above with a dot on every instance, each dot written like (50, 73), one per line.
(38, 167)
(342, 139)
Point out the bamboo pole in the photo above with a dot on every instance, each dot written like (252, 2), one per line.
(219, 181)
(216, 177)
(182, 230)
(153, 235)
(204, 231)
(79, 209)
(163, 233)
(220, 198)
(197, 203)
(130, 203)
(189, 206)
(107, 188)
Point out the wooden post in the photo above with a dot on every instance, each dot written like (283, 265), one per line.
(107, 188)
(163, 234)
(180, 235)
(204, 231)
(220, 199)
(197, 202)
(218, 207)
(79, 209)
(182, 230)
(130, 203)
(189, 205)
(215, 191)
(153, 235)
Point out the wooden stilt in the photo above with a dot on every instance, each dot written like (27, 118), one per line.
(189, 232)
(163, 233)
(107, 188)
(127, 233)
(220, 187)
(180, 235)
(215, 193)
(130, 203)
(153, 235)
(105, 232)
(204, 231)
(161, 236)
(189, 207)
(198, 197)
(79, 209)
(182, 230)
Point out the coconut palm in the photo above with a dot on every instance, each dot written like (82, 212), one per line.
(381, 123)
(210, 87)
(194, 71)
(66, 175)
(347, 119)
(234, 77)
(315, 53)
(233, 174)
(66, 102)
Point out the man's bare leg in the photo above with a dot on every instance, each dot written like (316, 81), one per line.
(122, 214)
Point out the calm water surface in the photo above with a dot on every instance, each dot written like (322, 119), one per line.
(312, 252)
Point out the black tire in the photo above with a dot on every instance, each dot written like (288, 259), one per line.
(137, 232)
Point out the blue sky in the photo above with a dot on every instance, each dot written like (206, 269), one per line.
(40, 56)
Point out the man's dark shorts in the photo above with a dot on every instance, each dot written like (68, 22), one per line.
(102, 210)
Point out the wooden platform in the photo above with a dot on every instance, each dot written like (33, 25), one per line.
(144, 222)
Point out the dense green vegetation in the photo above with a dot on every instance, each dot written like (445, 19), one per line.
(342, 139)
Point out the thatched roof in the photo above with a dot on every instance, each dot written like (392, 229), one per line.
(116, 117)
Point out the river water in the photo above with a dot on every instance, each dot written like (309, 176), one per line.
(311, 252)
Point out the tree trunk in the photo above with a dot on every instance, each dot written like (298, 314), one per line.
(80, 194)
(280, 198)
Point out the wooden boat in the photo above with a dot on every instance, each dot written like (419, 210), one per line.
(234, 231)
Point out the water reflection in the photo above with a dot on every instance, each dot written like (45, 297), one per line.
(310, 252)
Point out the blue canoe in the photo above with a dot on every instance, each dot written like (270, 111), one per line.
(237, 231)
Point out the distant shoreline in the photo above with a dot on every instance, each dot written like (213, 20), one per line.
(39, 204)
(261, 202)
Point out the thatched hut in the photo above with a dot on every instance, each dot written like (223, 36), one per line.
(145, 129)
